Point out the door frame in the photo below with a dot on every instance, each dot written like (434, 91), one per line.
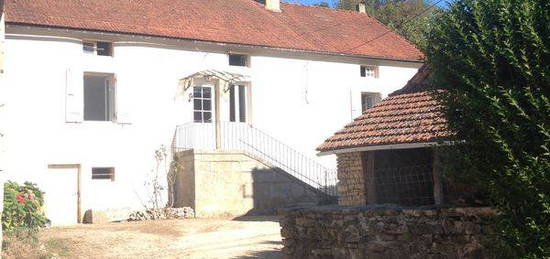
(78, 167)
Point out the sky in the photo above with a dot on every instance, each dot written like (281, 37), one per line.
(310, 2)
(331, 2)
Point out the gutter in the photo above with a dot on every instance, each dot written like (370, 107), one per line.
(215, 43)
(380, 147)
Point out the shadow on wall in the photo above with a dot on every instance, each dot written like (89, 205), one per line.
(273, 189)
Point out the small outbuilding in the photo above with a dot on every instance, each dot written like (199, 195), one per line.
(388, 155)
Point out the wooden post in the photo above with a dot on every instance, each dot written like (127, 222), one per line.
(437, 178)
(369, 174)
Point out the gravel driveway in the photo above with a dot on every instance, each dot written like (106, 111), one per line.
(247, 237)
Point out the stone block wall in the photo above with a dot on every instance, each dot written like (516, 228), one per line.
(378, 232)
(231, 183)
(351, 185)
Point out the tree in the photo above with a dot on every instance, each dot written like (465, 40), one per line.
(323, 4)
(409, 18)
(491, 59)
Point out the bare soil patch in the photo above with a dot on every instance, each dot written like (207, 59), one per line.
(248, 237)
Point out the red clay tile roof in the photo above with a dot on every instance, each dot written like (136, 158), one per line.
(407, 116)
(226, 21)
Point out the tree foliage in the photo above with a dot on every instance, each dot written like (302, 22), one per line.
(492, 59)
(402, 16)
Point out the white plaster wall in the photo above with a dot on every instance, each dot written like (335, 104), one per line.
(298, 102)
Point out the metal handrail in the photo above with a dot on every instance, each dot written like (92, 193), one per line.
(243, 137)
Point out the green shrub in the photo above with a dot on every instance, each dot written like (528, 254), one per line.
(492, 59)
(23, 207)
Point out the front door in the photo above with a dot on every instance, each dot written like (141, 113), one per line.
(61, 195)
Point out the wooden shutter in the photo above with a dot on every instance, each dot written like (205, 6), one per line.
(74, 96)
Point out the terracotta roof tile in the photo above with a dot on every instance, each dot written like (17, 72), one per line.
(405, 117)
(227, 21)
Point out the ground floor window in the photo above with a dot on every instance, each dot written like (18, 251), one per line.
(202, 104)
(103, 173)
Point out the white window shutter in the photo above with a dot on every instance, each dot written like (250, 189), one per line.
(74, 96)
(123, 102)
(112, 99)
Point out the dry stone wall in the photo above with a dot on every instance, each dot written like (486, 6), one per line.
(385, 232)
(351, 182)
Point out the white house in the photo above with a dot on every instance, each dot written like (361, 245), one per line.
(92, 88)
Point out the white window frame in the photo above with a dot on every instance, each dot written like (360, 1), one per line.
(110, 96)
(202, 99)
(369, 71)
(375, 97)
(240, 115)
(94, 46)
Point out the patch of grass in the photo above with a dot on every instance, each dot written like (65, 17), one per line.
(22, 245)
(58, 246)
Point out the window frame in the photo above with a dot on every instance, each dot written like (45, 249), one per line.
(377, 97)
(110, 99)
(95, 48)
(101, 176)
(246, 59)
(363, 71)
(202, 100)
(239, 103)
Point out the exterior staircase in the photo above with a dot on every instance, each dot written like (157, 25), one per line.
(259, 145)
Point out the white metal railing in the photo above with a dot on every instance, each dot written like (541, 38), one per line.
(250, 140)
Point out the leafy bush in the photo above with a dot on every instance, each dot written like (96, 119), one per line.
(23, 207)
(492, 59)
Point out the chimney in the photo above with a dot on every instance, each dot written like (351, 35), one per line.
(361, 7)
(273, 5)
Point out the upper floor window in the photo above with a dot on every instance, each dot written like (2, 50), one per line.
(202, 104)
(369, 71)
(368, 100)
(100, 48)
(99, 97)
(239, 60)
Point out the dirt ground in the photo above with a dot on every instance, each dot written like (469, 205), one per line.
(247, 237)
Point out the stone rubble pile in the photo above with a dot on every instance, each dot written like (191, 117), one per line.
(165, 213)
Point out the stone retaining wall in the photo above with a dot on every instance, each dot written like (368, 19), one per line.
(385, 232)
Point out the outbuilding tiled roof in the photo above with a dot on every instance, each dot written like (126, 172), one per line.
(245, 22)
(410, 115)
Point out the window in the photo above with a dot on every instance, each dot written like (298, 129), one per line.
(202, 104)
(237, 103)
(103, 173)
(238, 60)
(99, 98)
(100, 48)
(368, 100)
(369, 71)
